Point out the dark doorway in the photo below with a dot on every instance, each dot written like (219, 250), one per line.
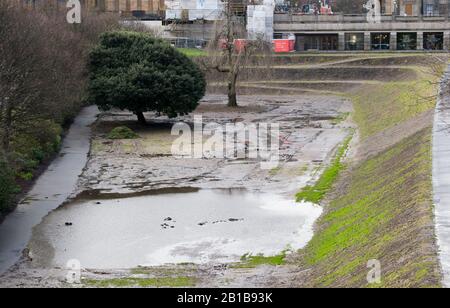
(380, 41)
(433, 41)
(325, 42)
(407, 41)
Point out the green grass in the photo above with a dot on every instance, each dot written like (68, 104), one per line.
(142, 282)
(317, 192)
(340, 118)
(192, 52)
(122, 132)
(274, 171)
(379, 216)
(250, 261)
(378, 107)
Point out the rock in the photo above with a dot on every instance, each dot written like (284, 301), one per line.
(234, 219)
(203, 223)
(168, 219)
(68, 224)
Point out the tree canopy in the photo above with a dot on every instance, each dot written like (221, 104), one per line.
(137, 72)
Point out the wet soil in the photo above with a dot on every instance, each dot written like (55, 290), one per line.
(130, 168)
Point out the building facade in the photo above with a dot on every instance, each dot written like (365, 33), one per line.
(131, 7)
(138, 8)
(388, 25)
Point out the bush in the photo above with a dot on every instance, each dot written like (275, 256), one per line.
(122, 132)
(35, 144)
(136, 72)
(8, 187)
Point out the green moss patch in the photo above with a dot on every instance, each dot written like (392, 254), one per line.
(250, 261)
(317, 192)
(122, 132)
(383, 212)
(142, 282)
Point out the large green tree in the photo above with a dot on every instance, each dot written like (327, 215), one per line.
(137, 72)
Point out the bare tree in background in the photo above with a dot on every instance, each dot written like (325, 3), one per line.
(228, 57)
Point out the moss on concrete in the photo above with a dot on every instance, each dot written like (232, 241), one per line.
(250, 261)
(317, 192)
(383, 212)
(142, 282)
(378, 107)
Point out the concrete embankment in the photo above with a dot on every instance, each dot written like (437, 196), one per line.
(441, 175)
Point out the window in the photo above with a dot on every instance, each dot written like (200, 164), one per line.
(408, 9)
(429, 10)
(433, 41)
(381, 41)
(354, 41)
(407, 41)
(320, 42)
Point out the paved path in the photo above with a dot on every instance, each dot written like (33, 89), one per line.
(441, 175)
(52, 188)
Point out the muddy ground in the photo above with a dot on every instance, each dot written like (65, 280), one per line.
(308, 97)
(311, 129)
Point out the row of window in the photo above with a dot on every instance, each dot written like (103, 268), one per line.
(378, 41)
(405, 41)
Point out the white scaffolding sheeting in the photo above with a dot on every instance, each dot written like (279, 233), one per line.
(260, 21)
(193, 9)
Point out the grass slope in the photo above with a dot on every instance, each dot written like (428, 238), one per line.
(381, 208)
(384, 212)
(378, 107)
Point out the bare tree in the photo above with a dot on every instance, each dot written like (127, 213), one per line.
(227, 55)
(42, 66)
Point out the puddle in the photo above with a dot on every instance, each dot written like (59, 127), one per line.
(195, 227)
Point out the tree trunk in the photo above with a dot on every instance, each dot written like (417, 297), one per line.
(141, 118)
(232, 96)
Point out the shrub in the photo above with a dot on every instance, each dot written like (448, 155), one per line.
(122, 132)
(7, 186)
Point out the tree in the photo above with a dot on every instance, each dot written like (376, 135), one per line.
(225, 56)
(137, 72)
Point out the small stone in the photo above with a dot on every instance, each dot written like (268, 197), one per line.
(234, 219)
